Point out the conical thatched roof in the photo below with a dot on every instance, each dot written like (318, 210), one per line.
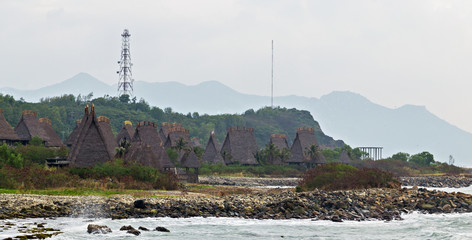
(127, 132)
(303, 140)
(321, 159)
(53, 139)
(28, 127)
(7, 134)
(146, 132)
(93, 144)
(344, 158)
(142, 153)
(164, 131)
(73, 135)
(240, 146)
(195, 142)
(212, 151)
(279, 140)
(190, 160)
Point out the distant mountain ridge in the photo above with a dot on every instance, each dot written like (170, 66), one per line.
(342, 115)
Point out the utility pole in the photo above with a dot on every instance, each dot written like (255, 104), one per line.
(272, 79)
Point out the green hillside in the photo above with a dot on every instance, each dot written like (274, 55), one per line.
(65, 110)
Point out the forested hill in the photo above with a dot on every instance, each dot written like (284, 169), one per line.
(65, 110)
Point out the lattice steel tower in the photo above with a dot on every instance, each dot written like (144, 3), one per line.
(125, 83)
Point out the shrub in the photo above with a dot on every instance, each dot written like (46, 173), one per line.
(8, 156)
(336, 176)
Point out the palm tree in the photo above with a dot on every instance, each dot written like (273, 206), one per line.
(284, 154)
(314, 155)
(271, 152)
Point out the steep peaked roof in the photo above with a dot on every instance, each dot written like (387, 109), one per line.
(303, 140)
(195, 142)
(6, 131)
(105, 126)
(93, 144)
(344, 158)
(28, 127)
(73, 135)
(279, 140)
(212, 151)
(241, 146)
(53, 139)
(164, 131)
(127, 132)
(146, 132)
(142, 153)
(190, 160)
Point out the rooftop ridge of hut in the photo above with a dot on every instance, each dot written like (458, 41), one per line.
(305, 129)
(240, 128)
(103, 119)
(146, 123)
(278, 136)
(178, 129)
(212, 151)
(92, 145)
(127, 122)
(29, 112)
(45, 120)
(7, 134)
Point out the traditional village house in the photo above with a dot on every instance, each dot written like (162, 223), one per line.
(29, 127)
(7, 134)
(280, 142)
(53, 140)
(344, 158)
(212, 151)
(304, 139)
(239, 146)
(93, 144)
(164, 131)
(190, 160)
(179, 139)
(142, 153)
(144, 135)
(73, 135)
(126, 133)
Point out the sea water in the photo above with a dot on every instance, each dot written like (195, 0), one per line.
(414, 226)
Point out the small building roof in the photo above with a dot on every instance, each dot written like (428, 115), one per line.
(303, 140)
(29, 127)
(73, 135)
(344, 158)
(190, 160)
(212, 153)
(279, 140)
(127, 132)
(53, 139)
(164, 131)
(6, 131)
(240, 146)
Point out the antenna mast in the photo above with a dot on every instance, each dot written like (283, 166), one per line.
(125, 82)
(272, 79)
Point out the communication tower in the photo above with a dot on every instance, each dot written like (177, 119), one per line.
(125, 82)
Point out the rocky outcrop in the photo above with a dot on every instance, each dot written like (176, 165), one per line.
(437, 181)
(95, 229)
(249, 182)
(383, 204)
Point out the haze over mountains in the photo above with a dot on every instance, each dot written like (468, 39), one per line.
(342, 115)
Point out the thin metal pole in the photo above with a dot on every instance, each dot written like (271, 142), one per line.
(272, 79)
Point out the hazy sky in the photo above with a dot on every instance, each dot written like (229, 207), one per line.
(392, 52)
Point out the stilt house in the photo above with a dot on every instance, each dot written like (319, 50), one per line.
(304, 139)
(29, 127)
(190, 160)
(239, 146)
(7, 134)
(212, 151)
(53, 140)
(126, 133)
(93, 144)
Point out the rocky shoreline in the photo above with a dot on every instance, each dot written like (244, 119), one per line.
(248, 182)
(381, 204)
(437, 181)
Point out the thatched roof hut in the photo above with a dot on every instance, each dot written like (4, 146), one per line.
(104, 123)
(73, 135)
(126, 133)
(7, 134)
(53, 139)
(174, 135)
(142, 153)
(28, 127)
(239, 146)
(303, 140)
(190, 160)
(93, 143)
(164, 131)
(212, 151)
(344, 158)
(146, 133)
